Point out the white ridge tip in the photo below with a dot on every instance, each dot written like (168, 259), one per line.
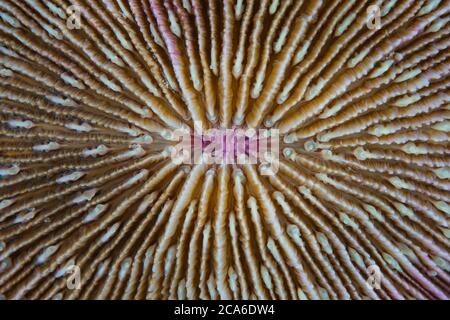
(83, 127)
(71, 177)
(288, 152)
(101, 150)
(51, 146)
(95, 212)
(85, 196)
(143, 139)
(9, 171)
(21, 124)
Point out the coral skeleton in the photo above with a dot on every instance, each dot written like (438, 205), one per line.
(93, 205)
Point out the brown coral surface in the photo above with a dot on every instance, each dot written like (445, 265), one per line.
(93, 206)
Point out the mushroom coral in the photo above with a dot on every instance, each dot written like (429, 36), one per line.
(92, 205)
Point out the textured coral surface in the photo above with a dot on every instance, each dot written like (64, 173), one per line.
(92, 205)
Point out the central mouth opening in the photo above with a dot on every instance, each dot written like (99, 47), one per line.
(227, 146)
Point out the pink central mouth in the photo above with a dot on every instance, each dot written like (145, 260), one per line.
(228, 145)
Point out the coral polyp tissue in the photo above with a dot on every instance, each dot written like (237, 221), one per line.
(93, 205)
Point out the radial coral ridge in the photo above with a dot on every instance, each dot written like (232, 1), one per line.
(92, 204)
